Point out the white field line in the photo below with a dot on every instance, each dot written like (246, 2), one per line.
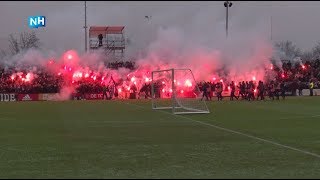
(239, 133)
(7, 118)
(297, 117)
(133, 122)
(7, 113)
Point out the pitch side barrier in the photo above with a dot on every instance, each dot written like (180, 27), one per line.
(12, 97)
(8, 97)
(305, 92)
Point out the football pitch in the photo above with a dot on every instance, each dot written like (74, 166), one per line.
(127, 139)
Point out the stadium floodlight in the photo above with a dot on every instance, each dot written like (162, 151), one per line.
(176, 89)
(227, 5)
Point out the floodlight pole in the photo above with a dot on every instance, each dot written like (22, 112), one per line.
(85, 25)
(271, 28)
(227, 4)
(227, 18)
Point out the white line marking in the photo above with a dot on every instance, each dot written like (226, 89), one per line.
(7, 112)
(236, 132)
(134, 122)
(297, 117)
(7, 118)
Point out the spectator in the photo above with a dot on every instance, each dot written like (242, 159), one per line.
(311, 85)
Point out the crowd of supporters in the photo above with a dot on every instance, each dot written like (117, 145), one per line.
(245, 90)
(121, 64)
(290, 78)
(42, 82)
(298, 71)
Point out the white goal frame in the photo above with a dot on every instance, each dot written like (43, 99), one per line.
(173, 96)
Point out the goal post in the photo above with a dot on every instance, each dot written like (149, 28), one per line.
(176, 89)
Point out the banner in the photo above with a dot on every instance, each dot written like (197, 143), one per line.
(28, 97)
(48, 97)
(78, 96)
(93, 96)
(8, 97)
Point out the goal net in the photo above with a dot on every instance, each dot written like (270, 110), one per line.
(177, 89)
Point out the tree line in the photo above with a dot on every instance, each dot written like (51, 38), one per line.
(288, 51)
(21, 43)
(285, 50)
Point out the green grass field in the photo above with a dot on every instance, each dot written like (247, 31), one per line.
(126, 139)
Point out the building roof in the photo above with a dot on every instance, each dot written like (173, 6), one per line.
(96, 30)
(115, 29)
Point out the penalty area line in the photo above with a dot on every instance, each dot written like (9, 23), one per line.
(239, 133)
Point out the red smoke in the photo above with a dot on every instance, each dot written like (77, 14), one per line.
(204, 66)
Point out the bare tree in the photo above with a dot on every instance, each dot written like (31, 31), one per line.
(307, 56)
(288, 50)
(26, 41)
(316, 51)
(13, 45)
(2, 53)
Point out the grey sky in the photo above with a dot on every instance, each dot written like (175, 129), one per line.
(202, 21)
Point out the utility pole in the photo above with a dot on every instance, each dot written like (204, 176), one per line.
(85, 25)
(271, 28)
(227, 4)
